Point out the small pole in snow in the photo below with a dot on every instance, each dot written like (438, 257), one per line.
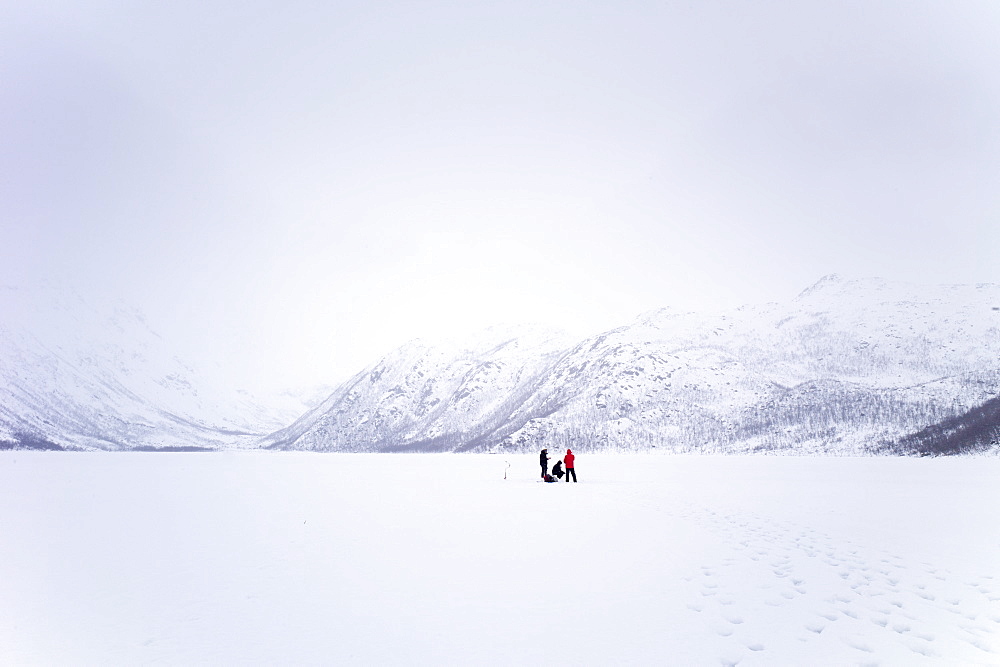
(506, 469)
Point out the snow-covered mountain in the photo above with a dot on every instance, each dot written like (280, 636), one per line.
(78, 376)
(847, 367)
(449, 396)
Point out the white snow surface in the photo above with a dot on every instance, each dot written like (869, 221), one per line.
(436, 559)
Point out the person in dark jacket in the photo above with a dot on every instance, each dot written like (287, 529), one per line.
(557, 470)
(543, 460)
(570, 459)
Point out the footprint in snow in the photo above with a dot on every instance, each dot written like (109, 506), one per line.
(975, 630)
(858, 643)
(723, 631)
(922, 649)
(980, 644)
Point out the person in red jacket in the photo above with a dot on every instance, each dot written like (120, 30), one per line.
(568, 462)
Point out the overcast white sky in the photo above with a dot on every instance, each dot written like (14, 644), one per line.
(295, 188)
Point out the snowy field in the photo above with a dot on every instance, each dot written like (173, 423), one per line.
(270, 558)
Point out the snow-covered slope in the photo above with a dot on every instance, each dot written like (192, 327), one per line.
(847, 367)
(452, 396)
(73, 375)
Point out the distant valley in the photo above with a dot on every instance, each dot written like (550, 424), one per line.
(75, 375)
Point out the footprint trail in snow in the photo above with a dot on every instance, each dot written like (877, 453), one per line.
(837, 600)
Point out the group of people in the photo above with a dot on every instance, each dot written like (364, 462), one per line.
(557, 470)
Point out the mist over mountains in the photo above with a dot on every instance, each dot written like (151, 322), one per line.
(848, 367)
(80, 375)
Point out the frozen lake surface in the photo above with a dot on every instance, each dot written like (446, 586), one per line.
(281, 558)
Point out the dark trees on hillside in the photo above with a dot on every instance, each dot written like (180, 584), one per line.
(976, 430)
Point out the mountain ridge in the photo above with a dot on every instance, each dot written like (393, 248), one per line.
(845, 367)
